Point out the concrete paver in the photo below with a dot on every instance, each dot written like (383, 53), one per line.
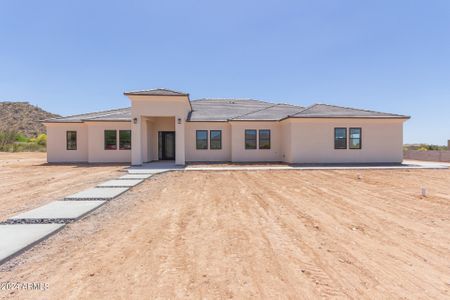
(135, 176)
(19, 237)
(97, 194)
(120, 183)
(58, 211)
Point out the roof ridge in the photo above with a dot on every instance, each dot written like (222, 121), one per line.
(255, 111)
(109, 111)
(231, 99)
(157, 89)
(305, 109)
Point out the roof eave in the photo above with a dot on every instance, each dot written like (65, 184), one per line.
(347, 117)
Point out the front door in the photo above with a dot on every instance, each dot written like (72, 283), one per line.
(166, 145)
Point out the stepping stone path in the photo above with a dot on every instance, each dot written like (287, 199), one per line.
(120, 183)
(135, 176)
(98, 194)
(26, 229)
(56, 212)
(19, 237)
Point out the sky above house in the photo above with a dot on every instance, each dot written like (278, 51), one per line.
(72, 57)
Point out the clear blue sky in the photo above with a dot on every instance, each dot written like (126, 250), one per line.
(78, 56)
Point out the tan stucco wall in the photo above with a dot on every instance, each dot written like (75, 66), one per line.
(90, 142)
(240, 154)
(96, 148)
(157, 106)
(312, 141)
(192, 154)
(56, 143)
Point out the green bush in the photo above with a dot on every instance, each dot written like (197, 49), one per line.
(7, 138)
(42, 139)
(11, 141)
(20, 137)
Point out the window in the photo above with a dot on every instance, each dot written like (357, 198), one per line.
(71, 140)
(110, 140)
(264, 139)
(202, 139)
(340, 138)
(215, 139)
(125, 139)
(355, 138)
(250, 139)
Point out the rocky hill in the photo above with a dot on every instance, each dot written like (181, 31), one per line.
(23, 117)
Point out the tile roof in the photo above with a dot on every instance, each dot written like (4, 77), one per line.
(224, 109)
(121, 114)
(333, 111)
(272, 113)
(214, 110)
(157, 92)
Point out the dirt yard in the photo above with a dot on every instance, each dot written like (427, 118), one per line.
(260, 234)
(27, 181)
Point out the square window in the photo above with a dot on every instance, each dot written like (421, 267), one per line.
(340, 138)
(125, 139)
(264, 139)
(202, 139)
(110, 140)
(355, 138)
(250, 139)
(215, 139)
(71, 140)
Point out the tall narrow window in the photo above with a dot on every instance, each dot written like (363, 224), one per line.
(125, 139)
(250, 139)
(71, 140)
(340, 138)
(264, 139)
(202, 139)
(355, 138)
(110, 140)
(215, 139)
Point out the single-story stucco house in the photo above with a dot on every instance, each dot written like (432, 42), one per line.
(163, 124)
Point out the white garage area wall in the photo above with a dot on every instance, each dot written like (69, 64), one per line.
(240, 154)
(96, 142)
(57, 143)
(193, 155)
(312, 141)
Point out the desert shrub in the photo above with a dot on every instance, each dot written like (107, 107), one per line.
(7, 138)
(20, 137)
(27, 147)
(42, 139)
(11, 141)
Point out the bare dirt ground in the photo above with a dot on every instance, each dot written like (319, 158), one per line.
(27, 181)
(260, 234)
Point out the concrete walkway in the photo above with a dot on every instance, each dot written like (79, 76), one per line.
(19, 237)
(28, 228)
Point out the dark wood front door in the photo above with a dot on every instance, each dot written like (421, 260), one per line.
(166, 145)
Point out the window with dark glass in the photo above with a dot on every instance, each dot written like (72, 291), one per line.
(250, 139)
(264, 139)
(125, 139)
(71, 140)
(110, 140)
(215, 139)
(202, 139)
(340, 138)
(355, 138)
